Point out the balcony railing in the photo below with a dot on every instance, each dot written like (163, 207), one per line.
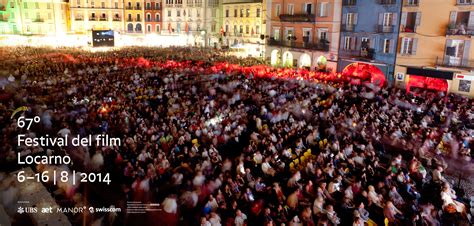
(117, 19)
(138, 8)
(410, 3)
(348, 27)
(408, 29)
(465, 2)
(138, 20)
(349, 2)
(103, 19)
(459, 30)
(303, 17)
(467, 64)
(129, 8)
(129, 20)
(385, 28)
(321, 46)
(38, 20)
(92, 18)
(79, 19)
(386, 2)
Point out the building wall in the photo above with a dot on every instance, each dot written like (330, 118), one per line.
(87, 15)
(153, 16)
(134, 16)
(369, 22)
(254, 23)
(430, 39)
(322, 23)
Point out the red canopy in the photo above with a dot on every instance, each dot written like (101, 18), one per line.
(427, 83)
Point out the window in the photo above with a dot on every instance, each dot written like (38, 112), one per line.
(49, 16)
(461, 2)
(226, 28)
(214, 13)
(138, 17)
(102, 4)
(258, 12)
(138, 6)
(410, 20)
(241, 12)
(92, 4)
(157, 17)
(198, 13)
(308, 8)
(323, 9)
(412, 2)
(148, 6)
(226, 13)
(291, 9)
(169, 13)
(235, 29)
(277, 9)
(235, 12)
(323, 34)
(387, 19)
(276, 34)
(408, 46)
(157, 6)
(116, 5)
(48, 5)
(351, 18)
(148, 28)
(386, 46)
(213, 27)
(78, 2)
(247, 13)
(158, 28)
(348, 42)
(178, 13)
(25, 5)
(241, 30)
(257, 29)
(247, 29)
(36, 5)
(129, 17)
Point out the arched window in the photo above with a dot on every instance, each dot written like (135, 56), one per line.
(138, 28)
(130, 27)
(148, 28)
(157, 17)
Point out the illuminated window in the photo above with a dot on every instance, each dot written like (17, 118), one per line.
(226, 13)
(235, 12)
(247, 13)
(241, 12)
(386, 45)
(258, 12)
(277, 9)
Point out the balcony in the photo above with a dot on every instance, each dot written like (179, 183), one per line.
(446, 62)
(78, 19)
(138, 20)
(321, 46)
(348, 27)
(386, 2)
(129, 8)
(38, 20)
(117, 19)
(138, 8)
(385, 28)
(408, 29)
(411, 3)
(129, 20)
(349, 2)
(103, 19)
(459, 30)
(303, 17)
(92, 18)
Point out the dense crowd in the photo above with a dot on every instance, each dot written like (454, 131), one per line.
(229, 149)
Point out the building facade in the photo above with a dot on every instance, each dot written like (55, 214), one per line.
(134, 12)
(303, 31)
(244, 25)
(369, 34)
(152, 16)
(197, 19)
(88, 15)
(34, 17)
(436, 49)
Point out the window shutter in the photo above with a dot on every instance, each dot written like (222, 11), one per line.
(328, 8)
(418, 18)
(356, 15)
(449, 43)
(392, 45)
(380, 19)
(319, 10)
(353, 43)
(414, 46)
(395, 19)
(402, 45)
(452, 17)
(470, 23)
(312, 9)
(465, 55)
(404, 19)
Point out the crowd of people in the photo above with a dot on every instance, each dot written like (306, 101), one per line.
(231, 149)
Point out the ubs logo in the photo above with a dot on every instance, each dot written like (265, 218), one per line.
(22, 210)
